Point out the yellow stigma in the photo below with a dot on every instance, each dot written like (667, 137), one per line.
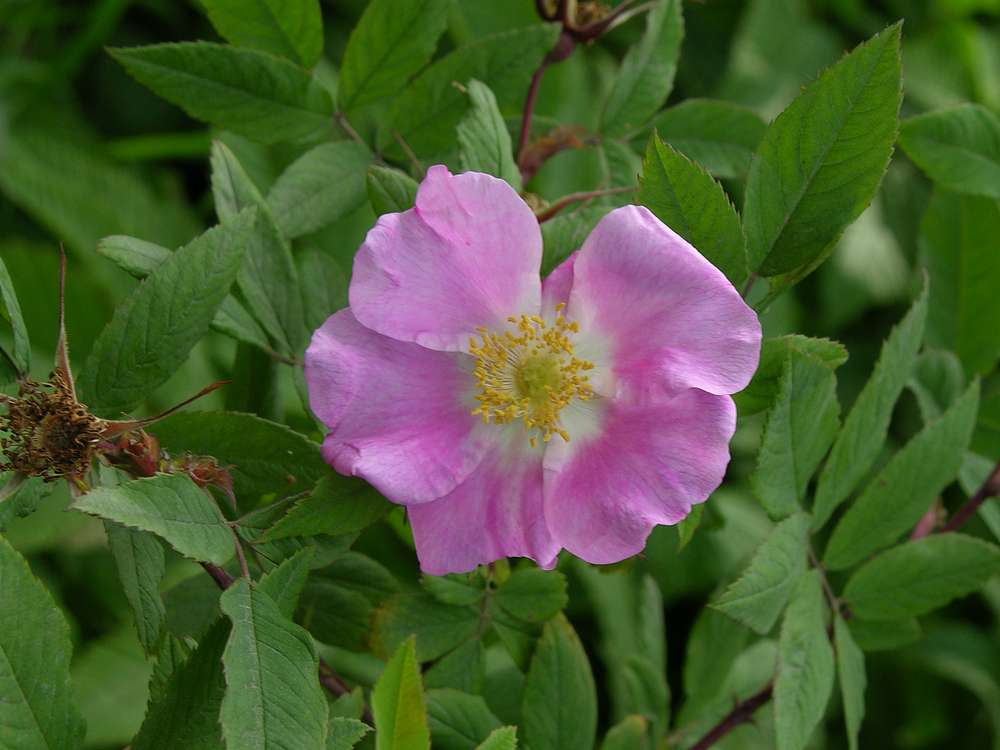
(529, 373)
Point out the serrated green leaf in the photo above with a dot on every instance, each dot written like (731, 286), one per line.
(170, 657)
(799, 430)
(320, 187)
(720, 136)
(628, 734)
(438, 627)
(339, 600)
(805, 666)
(390, 191)
(391, 43)
(821, 161)
(337, 505)
(156, 326)
(687, 528)
(263, 457)
(458, 721)
(712, 648)
(851, 673)
(186, 714)
(958, 148)
(254, 94)
(774, 352)
(290, 28)
(324, 287)
(398, 704)
(136, 257)
(483, 141)
(921, 575)
(343, 733)
(463, 669)
(937, 381)
(284, 583)
(647, 72)
(686, 198)
(170, 506)
(559, 706)
(268, 277)
(458, 588)
(10, 310)
(532, 594)
(758, 596)
(273, 696)
(140, 258)
(425, 115)
(885, 635)
(957, 242)
(901, 493)
(141, 565)
(504, 738)
(866, 425)
(36, 703)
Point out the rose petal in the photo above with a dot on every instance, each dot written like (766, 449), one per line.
(467, 255)
(557, 286)
(645, 465)
(399, 414)
(496, 512)
(670, 319)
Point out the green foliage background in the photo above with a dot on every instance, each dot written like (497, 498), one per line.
(834, 455)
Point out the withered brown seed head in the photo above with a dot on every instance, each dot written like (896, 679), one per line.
(47, 433)
(589, 12)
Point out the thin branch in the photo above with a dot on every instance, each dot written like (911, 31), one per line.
(990, 488)
(529, 110)
(742, 712)
(346, 126)
(244, 568)
(547, 213)
(414, 161)
(751, 280)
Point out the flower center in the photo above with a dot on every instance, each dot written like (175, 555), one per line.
(529, 372)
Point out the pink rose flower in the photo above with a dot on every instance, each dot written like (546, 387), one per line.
(516, 417)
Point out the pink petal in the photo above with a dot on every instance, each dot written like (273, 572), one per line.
(671, 320)
(645, 466)
(467, 255)
(399, 414)
(495, 513)
(557, 285)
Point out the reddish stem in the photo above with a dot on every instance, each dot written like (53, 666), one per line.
(529, 109)
(990, 488)
(741, 713)
(566, 200)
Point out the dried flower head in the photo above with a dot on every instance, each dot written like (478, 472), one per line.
(46, 432)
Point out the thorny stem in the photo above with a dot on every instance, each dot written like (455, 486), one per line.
(327, 676)
(744, 710)
(550, 211)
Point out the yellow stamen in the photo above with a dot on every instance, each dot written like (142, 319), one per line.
(529, 373)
